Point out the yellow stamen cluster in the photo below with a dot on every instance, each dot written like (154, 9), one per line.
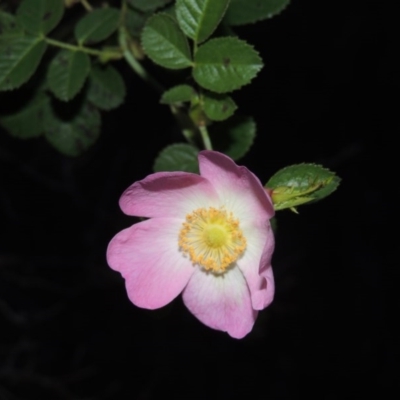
(212, 239)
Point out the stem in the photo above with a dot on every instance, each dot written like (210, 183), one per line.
(188, 129)
(185, 124)
(93, 52)
(183, 121)
(87, 6)
(205, 137)
(135, 65)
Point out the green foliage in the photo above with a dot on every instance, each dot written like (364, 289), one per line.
(135, 22)
(97, 25)
(67, 73)
(235, 136)
(225, 64)
(106, 87)
(40, 16)
(199, 18)
(218, 107)
(219, 66)
(177, 157)
(170, 10)
(165, 43)
(300, 184)
(8, 23)
(73, 127)
(148, 5)
(241, 12)
(178, 94)
(27, 122)
(20, 56)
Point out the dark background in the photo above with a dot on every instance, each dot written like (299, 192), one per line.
(328, 94)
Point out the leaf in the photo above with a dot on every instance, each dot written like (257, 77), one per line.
(199, 18)
(67, 73)
(27, 122)
(20, 56)
(40, 16)
(218, 107)
(301, 183)
(241, 12)
(170, 10)
(225, 64)
(135, 22)
(148, 5)
(97, 25)
(178, 94)
(165, 43)
(71, 129)
(177, 157)
(106, 87)
(8, 23)
(235, 136)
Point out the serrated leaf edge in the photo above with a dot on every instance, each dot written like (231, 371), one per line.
(201, 19)
(172, 146)
(82, 41)
(172, 88)
(263, 19)
(81, 85)
(233, 39)
(176, 23)
(38, 40)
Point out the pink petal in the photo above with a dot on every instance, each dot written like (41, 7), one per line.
(221, 302)
(256, 264)
(167, 194)
(148, 257)
(239, 189)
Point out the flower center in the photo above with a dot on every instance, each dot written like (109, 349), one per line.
(212, 239)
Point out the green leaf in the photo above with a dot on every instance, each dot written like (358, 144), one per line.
(20, 56)
(177, 157)
(40, 16)
(235, 136)
(8, 23)
(135, 22)
(67, 73)
(106, 87)
(242, 12)
(218, 107)
(148, 5)
(97, 25)
(199, 18)
(71, 129)
(170, 10)
(165, 43)
(27, 122)
(178, 94)
(300, 184)
(225, 64)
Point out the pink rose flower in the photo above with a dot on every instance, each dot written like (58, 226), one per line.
(208, 237)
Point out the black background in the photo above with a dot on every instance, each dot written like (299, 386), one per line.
(328, 94)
